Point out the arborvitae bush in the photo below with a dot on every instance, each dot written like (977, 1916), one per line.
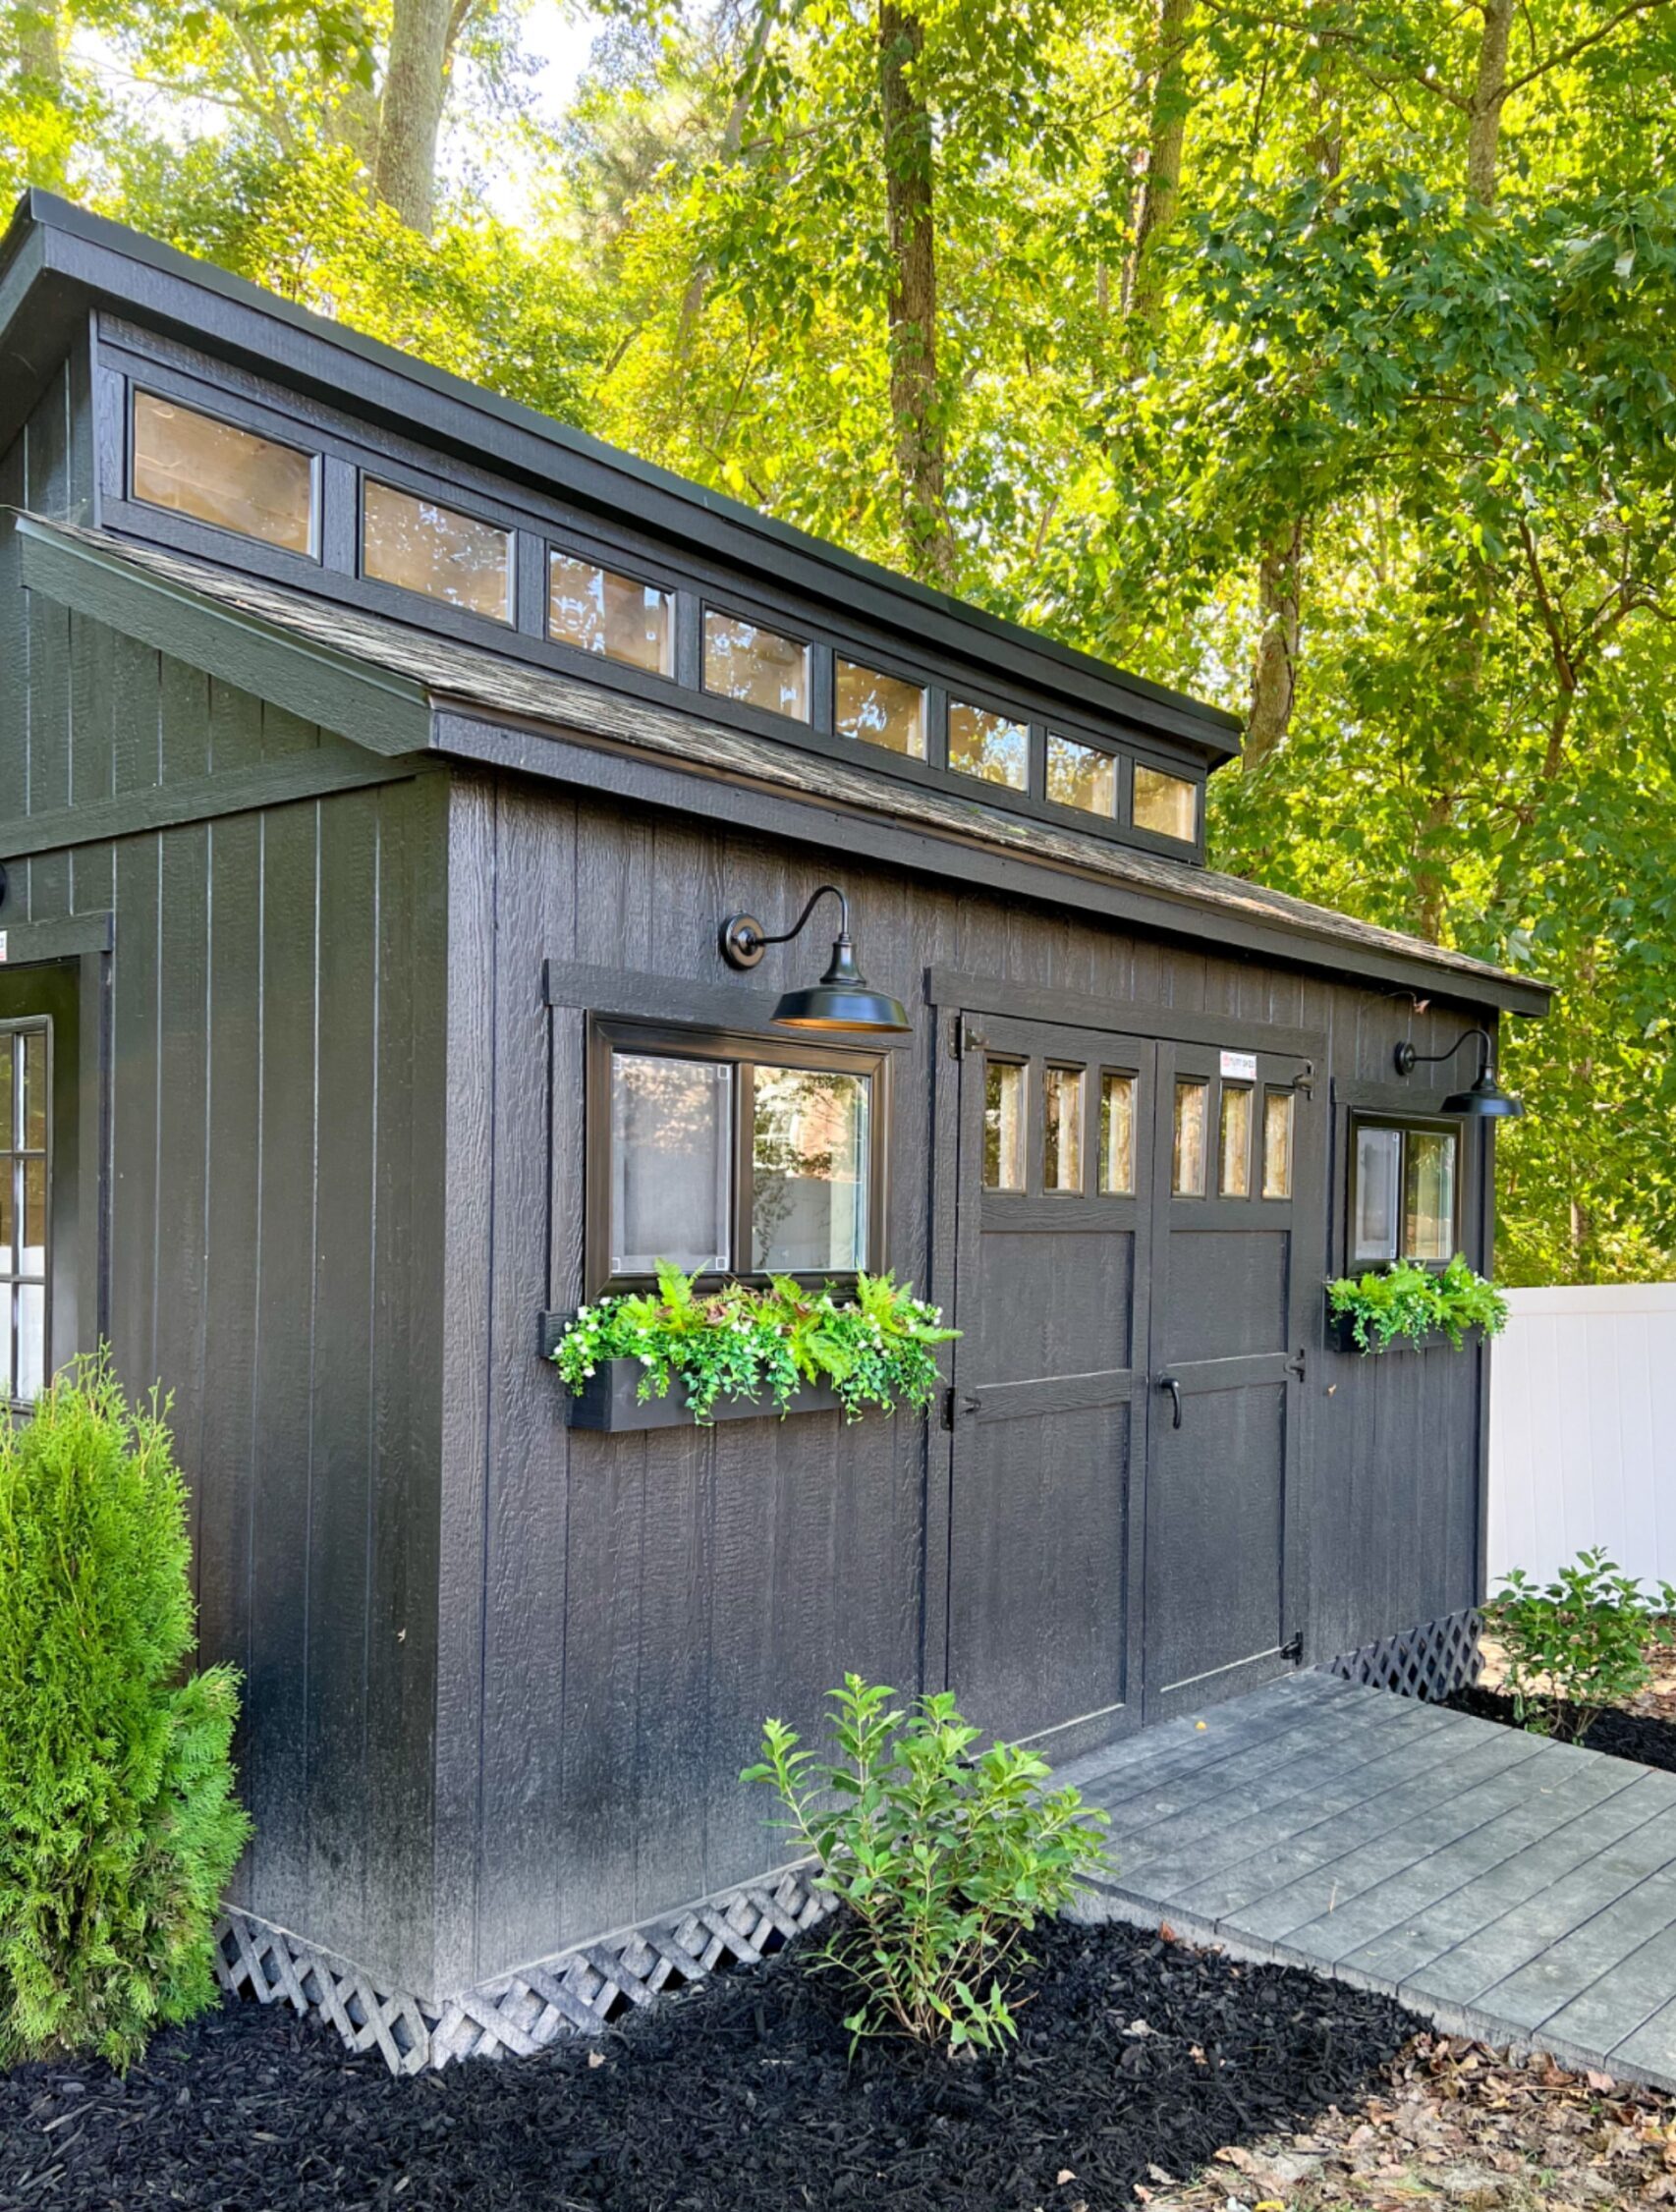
(118, 1823)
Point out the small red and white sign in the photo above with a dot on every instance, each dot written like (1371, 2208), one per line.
(1239, 1066)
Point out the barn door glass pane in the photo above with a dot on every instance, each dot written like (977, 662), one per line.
(31, 1342)
(808, 1192)
(192, 464)
(1062, 1162)
(743, 661)
(989, 746)
(1277, 1144)
(880, 709)
(1429, 1195)
(1236, 1143)
(1003, 1126)
(1117, 1135)
(34, 1042)
(1378, 1171)
(671, 1163)
(600, 612)
(435, 550)
(1187, 1170)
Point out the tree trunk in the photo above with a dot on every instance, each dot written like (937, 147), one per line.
(415, 82)
(915, 401)
(1489, 91)
(1274, 670)
(1160, 191)
(35, 31)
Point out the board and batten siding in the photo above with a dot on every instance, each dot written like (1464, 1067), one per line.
(272, 1187)
(1583, 1402)
(619, 1613)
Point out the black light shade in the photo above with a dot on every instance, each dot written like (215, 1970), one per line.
(841, 1000)
(1486, 1102)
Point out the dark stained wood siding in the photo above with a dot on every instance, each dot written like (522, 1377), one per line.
(620, 1613)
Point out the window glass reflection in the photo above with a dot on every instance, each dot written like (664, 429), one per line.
(879, 710)
(1187, 1159)
(1003, 1126)
(1062, 1166)
(1117, 1135)
(424, 547)
(600, 612)
(810, 1147)
(743, 661)
(188, 464)
(671, 1163)
(989, 746)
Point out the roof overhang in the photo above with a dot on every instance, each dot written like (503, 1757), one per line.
(406, 695)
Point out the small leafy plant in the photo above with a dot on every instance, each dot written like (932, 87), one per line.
(943, 1859)
(118, 1822)
(1583, 1642)
(1406, 1300)
(878, 1348)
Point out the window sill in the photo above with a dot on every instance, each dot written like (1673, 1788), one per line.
(611, 1406)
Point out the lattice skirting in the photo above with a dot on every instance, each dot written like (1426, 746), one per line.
(1429, 1662)
(577, 1992)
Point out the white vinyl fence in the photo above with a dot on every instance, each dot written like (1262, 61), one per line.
(1582, 1430)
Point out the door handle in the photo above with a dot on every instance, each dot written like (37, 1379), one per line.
(1169, 1383)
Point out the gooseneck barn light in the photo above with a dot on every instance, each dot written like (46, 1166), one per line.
(1485, 1100)
(841, 1000)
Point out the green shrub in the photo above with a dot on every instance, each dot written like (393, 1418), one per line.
(1406, 1300)
(1582, 1643)
(944, 1861)
(878, 1348)
(118, 1825)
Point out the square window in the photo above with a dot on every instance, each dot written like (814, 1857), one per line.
(1003, 1126)
(743, 661)
(988, 745)
(436, 551)
(810, 1135)
(1403, 1194)
(1186, 1156)
(1277, 1144)
(1167, 806)
(1081, 776)
(1062, 1135)
(1234, 1179)
(188, 464)
(598, 611)
(881, 710)
(671, 1163)
(1117, 1135)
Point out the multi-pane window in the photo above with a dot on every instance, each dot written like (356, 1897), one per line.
(743, 661)
(1168, 806)
(989, 746)
(436, 551)
(24, 1182)
(190, 464)
(598, 611)
(878, 709)
(1082, 776)
(723, 1163)
(1402, 1194)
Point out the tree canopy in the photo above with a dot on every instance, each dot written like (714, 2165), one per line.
(1311, 354)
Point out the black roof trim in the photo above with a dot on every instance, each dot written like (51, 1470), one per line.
(101, 260)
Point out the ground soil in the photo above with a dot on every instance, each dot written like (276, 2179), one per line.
(1138, 2059)
(1647, 1736)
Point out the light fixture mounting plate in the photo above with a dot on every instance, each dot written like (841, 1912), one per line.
(744, 941)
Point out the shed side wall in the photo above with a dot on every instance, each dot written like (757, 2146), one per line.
(620, 1613)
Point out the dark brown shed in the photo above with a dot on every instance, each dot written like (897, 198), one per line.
(378, 762)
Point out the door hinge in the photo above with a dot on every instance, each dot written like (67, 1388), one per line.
(956, 1402)
(1295, 1649)
(1306, 1082)
(963, 1037)
(1297, 1366)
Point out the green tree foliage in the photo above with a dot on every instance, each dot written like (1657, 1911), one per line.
(118, 1823)
(1309, 353)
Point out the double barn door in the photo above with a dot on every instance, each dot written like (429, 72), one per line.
(1125, 1518)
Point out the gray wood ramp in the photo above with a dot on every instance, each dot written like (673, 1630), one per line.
(1507, 1888)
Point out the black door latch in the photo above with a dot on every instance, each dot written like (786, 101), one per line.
(1169, 1383)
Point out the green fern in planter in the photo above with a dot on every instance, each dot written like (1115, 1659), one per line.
(1390, 1304)
(118, 1823)
(876, 1349)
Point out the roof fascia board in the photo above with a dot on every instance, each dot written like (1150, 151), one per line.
(616, 771)
(207, 307)
(380, 712)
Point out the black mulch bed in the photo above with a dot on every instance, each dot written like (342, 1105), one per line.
(739, 2097)
(1621, 1736)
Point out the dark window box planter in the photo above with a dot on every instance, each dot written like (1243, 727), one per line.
(611, 1405)
(1341, 1336)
